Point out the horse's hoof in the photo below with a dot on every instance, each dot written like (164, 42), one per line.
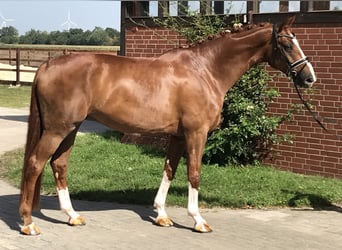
(30, 229)
(203, 228)
(79, 221)
(164, 221)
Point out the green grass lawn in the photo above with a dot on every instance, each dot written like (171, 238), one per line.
(14, 97)
(101, 168)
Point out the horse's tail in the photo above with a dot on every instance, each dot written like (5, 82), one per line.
(34, 133)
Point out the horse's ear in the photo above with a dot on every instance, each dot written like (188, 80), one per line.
(287, 23)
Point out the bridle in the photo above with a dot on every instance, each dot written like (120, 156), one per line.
(291, 67)
(291, 70)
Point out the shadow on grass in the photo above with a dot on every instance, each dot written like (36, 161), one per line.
(152, 151)
(133, 196)
(315, 201)
(177, 196)
(149, 150)
(111, 135)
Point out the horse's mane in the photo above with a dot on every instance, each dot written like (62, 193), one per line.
(236, 29)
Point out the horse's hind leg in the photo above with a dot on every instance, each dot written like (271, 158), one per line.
(29, 200)
(175, 152)
(59, 164)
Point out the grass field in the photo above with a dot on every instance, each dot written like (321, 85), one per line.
(101, 168)
(18, 97)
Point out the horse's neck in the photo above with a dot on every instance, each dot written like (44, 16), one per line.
(233, 56)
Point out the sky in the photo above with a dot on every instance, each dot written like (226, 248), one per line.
(49, 15)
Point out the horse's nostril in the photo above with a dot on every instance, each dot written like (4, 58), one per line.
(310, 80)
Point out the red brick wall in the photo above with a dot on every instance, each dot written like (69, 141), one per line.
(313, 151)
(149, 42)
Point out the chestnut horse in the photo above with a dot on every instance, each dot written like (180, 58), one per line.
(180, 93)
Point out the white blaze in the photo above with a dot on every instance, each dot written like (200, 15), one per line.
(295, 41)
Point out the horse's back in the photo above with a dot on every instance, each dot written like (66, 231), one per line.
(149, 95)
(114, 90)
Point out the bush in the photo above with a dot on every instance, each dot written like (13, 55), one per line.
(247, 132)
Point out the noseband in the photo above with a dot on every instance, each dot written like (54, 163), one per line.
(291, 67)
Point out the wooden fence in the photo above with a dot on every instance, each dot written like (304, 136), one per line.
(34, 55)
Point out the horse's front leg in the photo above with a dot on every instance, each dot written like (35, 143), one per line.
(195, 146)
(175, 152)
(59, 164)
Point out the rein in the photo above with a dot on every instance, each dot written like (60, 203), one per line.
(293, 73)
(314, 115)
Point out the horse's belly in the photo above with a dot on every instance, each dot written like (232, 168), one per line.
(138, 121)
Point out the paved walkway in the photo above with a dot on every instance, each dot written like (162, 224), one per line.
(117, 226)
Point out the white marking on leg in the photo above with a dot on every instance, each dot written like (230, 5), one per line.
(159, 201)
(295, 41)
(65, 203)
(193, 206)
(31, 228)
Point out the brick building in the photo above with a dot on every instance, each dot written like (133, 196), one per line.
(319, 31)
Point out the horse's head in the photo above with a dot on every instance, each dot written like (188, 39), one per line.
(288, 57)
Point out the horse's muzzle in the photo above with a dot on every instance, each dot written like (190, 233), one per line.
(309, 82)
(303, 82)
(304, 78)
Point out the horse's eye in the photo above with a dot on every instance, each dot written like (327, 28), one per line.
(288, 47)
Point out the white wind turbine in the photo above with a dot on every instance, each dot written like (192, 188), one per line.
(69, 23)
(5, 20)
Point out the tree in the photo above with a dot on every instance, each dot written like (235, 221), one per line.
(9, 35)
(98, 37)
(35, 37)
(114, 36)
(76, 37)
